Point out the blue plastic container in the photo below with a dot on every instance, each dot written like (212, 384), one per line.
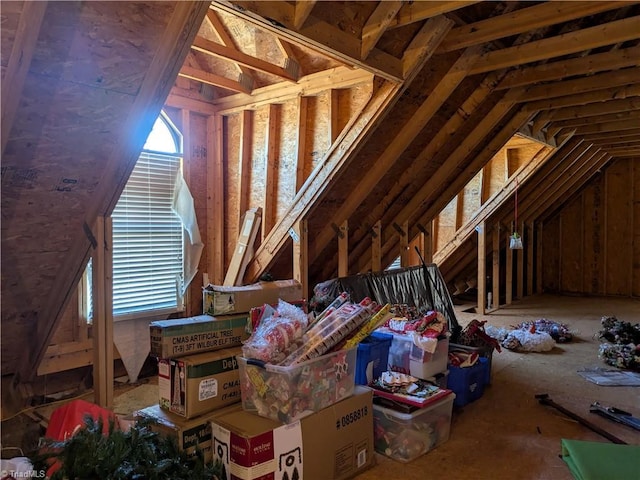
(372, 357)
(468, 382)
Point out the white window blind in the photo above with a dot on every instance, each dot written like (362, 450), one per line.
(148, 239)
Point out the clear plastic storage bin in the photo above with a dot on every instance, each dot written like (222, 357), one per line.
(406, 357)
(289, 393)
(407, 436)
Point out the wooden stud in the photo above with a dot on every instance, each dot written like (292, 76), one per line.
(343, 250)
(271, 168)
(376, 247)
(520, 263)
(404, 245)
(530, 258)
(333, 116)
(301, 256)
(301, 140)
(215, 200)
(244, 173)
(103, 314)
(495, 276)
(424, 113)
(482, 268)
(539, 257)
(413, 12)
(509, 272)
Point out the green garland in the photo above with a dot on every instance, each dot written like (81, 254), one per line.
(137, 454)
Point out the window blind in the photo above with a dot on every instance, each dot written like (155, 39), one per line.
(147, 239)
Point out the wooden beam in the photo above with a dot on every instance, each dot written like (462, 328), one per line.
(599, 81)
(542, 157)
(509, 271)
(318, 35)
(350, 139)
(215, 80)
(169, 56)
(404, 244)
(424, 45)
(425, 112)
(455, 159)
(300, 236)
(272, 147)
(606, 127)
(523, 20)
(520, 262)
(376, 25)
(343, 249)
(376, 247)
(603, 95)
(22, 50)
(593, 137)
(427, 252)
(103, 314)
(482, 268)
(244, 168)
(495, 260)
(630, 116)
(339, 77)
(301, 12)
(334, 117)
(215, 200)
(530, 258)
(413, 12)
(180, 102)
(587, 65)
(227, 40)
(539, 257)
(301, 141)
(585, 39)
(218, 50)
(592, 110)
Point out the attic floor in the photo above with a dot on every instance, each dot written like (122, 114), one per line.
(507, 434)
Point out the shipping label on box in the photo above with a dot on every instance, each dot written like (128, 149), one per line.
(335, 443)
(186, 336)
(197, 384)
(222, 300)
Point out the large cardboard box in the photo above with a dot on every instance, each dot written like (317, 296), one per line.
(191, 434)
(203, 333)
(221, 300)
(334, 443)
(192, 385)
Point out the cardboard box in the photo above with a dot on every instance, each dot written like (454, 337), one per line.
(191, 435)
(203, 333)
(335, 443)
(221, 300)
(196, 384)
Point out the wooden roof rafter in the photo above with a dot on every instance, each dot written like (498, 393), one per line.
(565, 44)
(208, 47)
(525, 19)
(24, 46)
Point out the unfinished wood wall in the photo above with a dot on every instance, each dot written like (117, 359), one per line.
(592, 245)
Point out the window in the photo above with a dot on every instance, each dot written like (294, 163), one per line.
(147, 234)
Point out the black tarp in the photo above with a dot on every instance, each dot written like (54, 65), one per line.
(422, 287)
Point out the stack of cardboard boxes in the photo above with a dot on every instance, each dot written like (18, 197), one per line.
(200, 397)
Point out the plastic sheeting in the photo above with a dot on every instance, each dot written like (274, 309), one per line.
(421, 286)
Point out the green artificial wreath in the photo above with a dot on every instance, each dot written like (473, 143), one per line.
(136, 454)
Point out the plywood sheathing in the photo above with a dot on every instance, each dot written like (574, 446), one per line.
(73, 132)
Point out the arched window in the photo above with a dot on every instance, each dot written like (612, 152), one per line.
(147, 234)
